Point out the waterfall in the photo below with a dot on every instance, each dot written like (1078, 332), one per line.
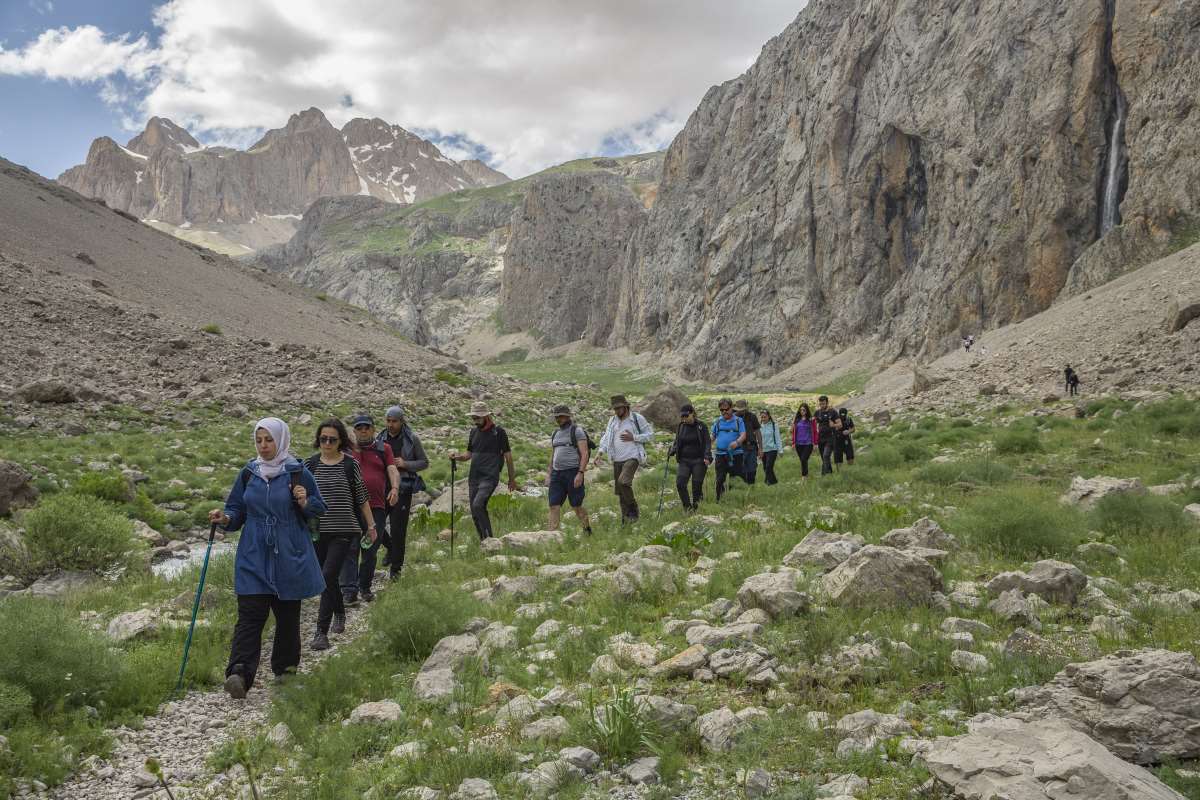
(1110, 213)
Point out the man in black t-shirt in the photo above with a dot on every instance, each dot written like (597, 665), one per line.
(829, 423)
(845, 439)
(487, 448)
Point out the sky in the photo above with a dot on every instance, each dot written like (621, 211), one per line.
(522, 84)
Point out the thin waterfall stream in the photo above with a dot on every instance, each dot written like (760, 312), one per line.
(1110, 213)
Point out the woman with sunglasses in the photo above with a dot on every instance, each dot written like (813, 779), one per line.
(347, 517)
(693, 453)
(275, 568)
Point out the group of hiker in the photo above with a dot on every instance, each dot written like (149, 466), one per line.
(315, 527)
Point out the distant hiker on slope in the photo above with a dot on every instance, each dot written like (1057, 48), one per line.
(772, 445)
(828, 422)
(804, 436)
(728, 435)
(692, 449)
(487, 448)
(624, 441)
(347, 517)
(410, 460)
(754, 443)
(1073, 384)
(379, 472)
(569, 454)
(275, 568)
(1068, 376)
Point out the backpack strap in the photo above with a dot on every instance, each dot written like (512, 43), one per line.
(636, 424)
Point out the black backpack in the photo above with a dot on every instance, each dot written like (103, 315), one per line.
(314, 525)
(592, 446)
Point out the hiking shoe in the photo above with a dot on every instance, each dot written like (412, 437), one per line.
(350, 601)
(339, 624)
(368, 596)
(235, 686)
(320, 641)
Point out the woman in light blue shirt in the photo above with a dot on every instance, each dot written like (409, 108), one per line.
(772, 445)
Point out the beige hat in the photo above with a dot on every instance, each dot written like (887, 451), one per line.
(480, 409)
(741, 405)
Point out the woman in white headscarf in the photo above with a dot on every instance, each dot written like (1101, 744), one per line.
(272, 500)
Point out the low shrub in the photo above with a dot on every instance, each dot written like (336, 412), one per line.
(1013, 441)
(1021, 521)
(15, 703)
(143, 508)
(1175, 417)
(108, 485)
(47, 652)
(77, 532)
(884, 455)
(213, 329)
(619, 729)
(977, 472)
(411, 620)
(451, 378)
(1137, 514)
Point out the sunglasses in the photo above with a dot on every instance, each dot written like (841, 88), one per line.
(363, 427)
(329, 439)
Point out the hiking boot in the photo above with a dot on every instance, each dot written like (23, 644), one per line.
(394, 576)
(368, 596)
(320, 641)
(235, 686)
(350, 600)
(339, 624)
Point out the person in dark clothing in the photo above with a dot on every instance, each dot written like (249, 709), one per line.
(804, 436)
(828, 423)
(410, 462)
(487, 448)
(1068, 374)
(728, 437)
(347, 517)
(1072, 378)
(844, 446)
(754, 443)
(275, 567)
(693, 455)
(379, 472)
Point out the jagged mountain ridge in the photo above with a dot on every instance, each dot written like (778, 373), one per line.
(901, 172)
(434, 269)
(252, 198)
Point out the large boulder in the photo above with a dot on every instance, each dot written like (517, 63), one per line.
(661, 407)
(773, 592)
(1046, 760)
(882, 577)
(59, 583)
(436, 679)
(1053, 581)
(1144, 706)
(1086, 492)
(823, 549)
(132, 624)
(47, 390)
(640, 575)
(923, 533)
(16, 490)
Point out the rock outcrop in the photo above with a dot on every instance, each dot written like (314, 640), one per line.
(882, 577)
(900, 172)
(165, 175)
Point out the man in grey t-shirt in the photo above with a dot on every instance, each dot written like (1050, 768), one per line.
(568, 462)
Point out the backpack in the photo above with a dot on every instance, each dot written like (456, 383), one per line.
(410, 482)
(721, 425)
(314, 525)
(592, 446)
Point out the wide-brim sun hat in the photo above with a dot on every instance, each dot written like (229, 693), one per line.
(480, 409)
(618, 401)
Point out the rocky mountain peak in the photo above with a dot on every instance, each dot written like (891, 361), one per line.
(482, 174)
(311, 121)
(160, 132)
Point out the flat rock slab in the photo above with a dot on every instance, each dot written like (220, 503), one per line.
(1086, 492)
(823, 549)
(882, 577)
(1046, 760)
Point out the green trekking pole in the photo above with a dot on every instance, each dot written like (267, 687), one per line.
(187, 645)
(453, 467)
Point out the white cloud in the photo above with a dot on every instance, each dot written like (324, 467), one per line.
(535, 82)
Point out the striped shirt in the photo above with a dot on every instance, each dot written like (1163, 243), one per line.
(344, 503)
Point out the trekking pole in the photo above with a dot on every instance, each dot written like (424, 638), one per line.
(187, 645)
(453, 467)
(663, 487)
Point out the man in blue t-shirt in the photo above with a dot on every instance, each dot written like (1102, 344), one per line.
(728, 436)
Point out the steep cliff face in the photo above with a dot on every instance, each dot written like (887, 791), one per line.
(904, 171)
(566, 236)
(239, 201)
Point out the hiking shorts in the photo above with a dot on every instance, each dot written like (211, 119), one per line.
(562, 487)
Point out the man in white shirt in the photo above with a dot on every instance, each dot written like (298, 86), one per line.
(624, 441)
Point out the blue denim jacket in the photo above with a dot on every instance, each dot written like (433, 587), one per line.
(274, 554)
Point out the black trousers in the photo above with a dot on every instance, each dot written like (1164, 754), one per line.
(804, 451)
(479, 491)
(843, 449)
(398, 532)
(331, 553)
(690, 470)
(727, 466)
(246, 647)
(749, 465)
(364, 575)
(768, 460)
(827, 448)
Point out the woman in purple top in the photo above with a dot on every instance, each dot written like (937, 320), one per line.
(804, 436)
